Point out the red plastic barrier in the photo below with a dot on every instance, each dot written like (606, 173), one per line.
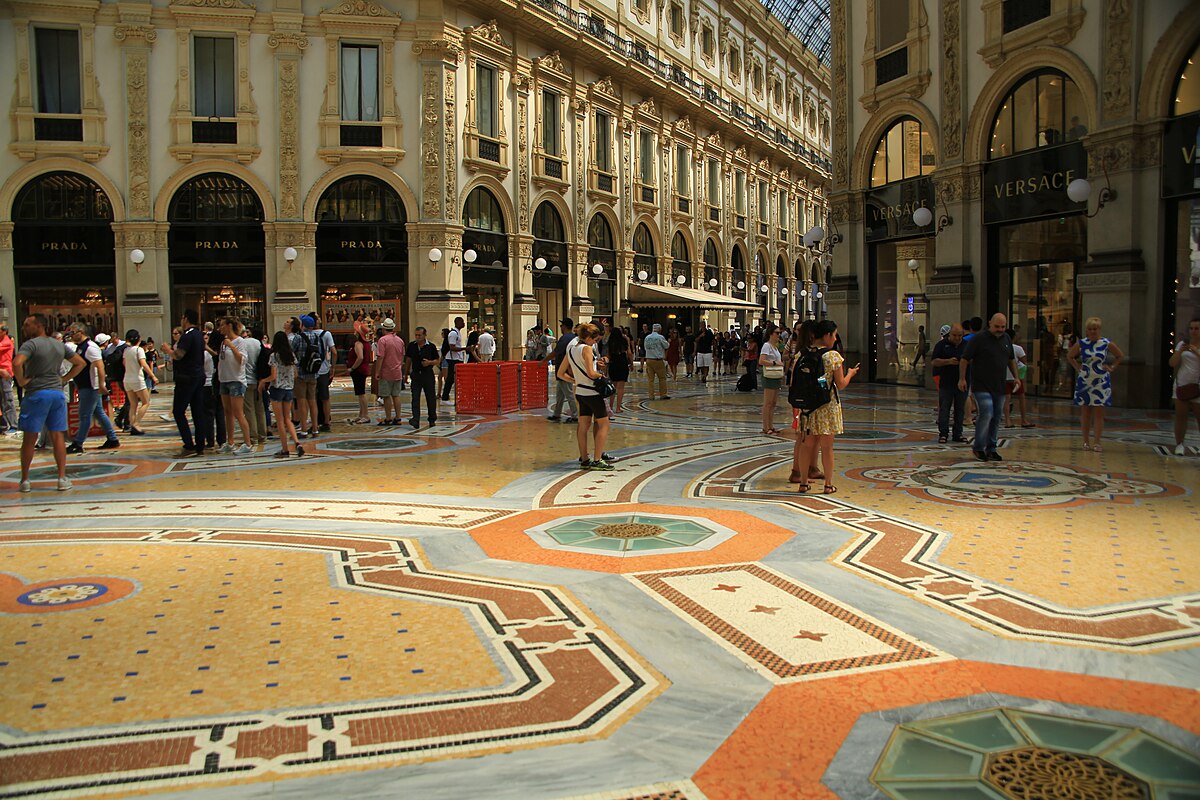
(535, 385)
(73, 419)
(487, 387)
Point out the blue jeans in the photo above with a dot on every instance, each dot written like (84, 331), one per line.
(950, 398)
(90, 405)
(990, 409)
(189, 392)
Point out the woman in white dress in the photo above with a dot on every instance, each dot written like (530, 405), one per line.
(137, 369)
(1186, 363)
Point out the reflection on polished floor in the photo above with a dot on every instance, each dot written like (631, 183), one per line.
(460, 612)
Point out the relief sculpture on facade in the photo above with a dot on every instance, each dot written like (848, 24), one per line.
(841, 151)
(1118, 44)
(951, 83)
(431, 161)
(450, 125)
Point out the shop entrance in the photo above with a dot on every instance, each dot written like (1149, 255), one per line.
(1043, 314)
(902, 333)
(550, 301)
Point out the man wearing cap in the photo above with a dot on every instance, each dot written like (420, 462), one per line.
(565, 390)
(91, 388)
(946, 355)
(388, 371)
(656, 365)
(456, 354)
(325, 376)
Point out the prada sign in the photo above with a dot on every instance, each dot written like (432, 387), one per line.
(1181, 157)
(63, 245)
(888, 210)
(226, 245)
(361, 243)
(489, 248)
(1033, 184)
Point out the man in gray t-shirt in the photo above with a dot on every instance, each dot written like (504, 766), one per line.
(35, 368)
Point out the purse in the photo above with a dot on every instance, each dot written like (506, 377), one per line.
(1187, 391)
(773, 371)
(604, 387)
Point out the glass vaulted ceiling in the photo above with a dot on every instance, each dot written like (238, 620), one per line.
(808, 20)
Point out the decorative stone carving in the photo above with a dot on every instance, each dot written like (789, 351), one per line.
(841, 151)
(1118, 45)
(605, 86)
(137, 144)
(648, 107)
(740, 152)
(431, 157)
(523, 160)
(283, 41)
(684, 125)
(580, 185)
(951, 82)
(445, 49)
(289, 140)
(949, 189)
(212, 4)
(135, 34)
(552, 61)
(488, 31)
(450, 127)
(1110, 156)
(360, 8)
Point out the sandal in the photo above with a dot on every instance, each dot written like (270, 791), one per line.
(383, 422)
(830, 489)
(803, 487)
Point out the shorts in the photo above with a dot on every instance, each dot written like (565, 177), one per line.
(46, 408)
(280, 395)
(703, 360)
(323, 382)
(591, 405)
(391, 388)
(772, 383)
(1008, 388)
(233, 389)
(360, 383)
(306, 389)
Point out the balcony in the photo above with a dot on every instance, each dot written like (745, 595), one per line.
(1019, 14)
(604, 182)
(360, 136)
(714, 214)
(214, 132)
(891, 66)
(57, 129)
(489, 150)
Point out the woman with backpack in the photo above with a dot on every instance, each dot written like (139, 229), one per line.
(282, 382)
(819, 424)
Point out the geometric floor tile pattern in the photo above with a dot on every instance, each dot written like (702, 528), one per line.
(459, 611)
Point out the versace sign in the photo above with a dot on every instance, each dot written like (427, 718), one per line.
(888, 210)
(1181, 157)
(1033, 184)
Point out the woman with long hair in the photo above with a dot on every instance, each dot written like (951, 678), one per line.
(1186, 363)
(138, 379)
(581, 367)
(674, 354)
(359, 365)
(771, 361)
(824, 423)
(618, 367)
(282, 382)
(750, 360)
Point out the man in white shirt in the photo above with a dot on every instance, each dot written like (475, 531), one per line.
(252, 404)
(487, 345)
(91, 387)
(231, 372)
(455, 355)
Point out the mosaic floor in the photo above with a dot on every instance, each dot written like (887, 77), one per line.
(458, 611)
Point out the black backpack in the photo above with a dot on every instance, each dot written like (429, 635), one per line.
(114, 364)
(262, 364)
(809, 389)
(314, 354)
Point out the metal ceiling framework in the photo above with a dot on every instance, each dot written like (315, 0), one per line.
(808, 20)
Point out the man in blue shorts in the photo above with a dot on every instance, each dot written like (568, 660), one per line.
(36, 370)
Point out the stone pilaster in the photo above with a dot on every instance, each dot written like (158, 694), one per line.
(8, 283)
(289, 45)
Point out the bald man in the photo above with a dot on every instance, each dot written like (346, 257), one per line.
(989, 355)
(946, 355)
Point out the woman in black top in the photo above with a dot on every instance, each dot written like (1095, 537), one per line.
(618, 366)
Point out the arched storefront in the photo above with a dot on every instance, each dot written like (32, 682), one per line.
(900, 253)
(485, 277)
(602, 287)
(799, 294)
(550, 280)
(216, 250)
(712, 267)
(362, 255)
(782, 312)
(681, 261)
(63, 252)
(1036, 236)
(645, 265)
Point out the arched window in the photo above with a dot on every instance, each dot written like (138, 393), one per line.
(547, 224)
(1044, 109)
(737, 264)
(781, 290)
(602, 287)
(643, 243)
(712, 267)
(482, 213)
(643, 254)
(215, 197)
(62, 197)
(360, 199)
(1187, 85)
(681, 266)
(904, 151)
(600, 233)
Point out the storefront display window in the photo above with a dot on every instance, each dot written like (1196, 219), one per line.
(902, 271)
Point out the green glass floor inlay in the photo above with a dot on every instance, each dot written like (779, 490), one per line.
(991, 731)
(1155, 760)
(959, 791)
(910, 755)
(651, 544)
(572, 537)
(1068, 734)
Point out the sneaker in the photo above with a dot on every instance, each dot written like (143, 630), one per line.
(299, 451)
(585, 462)
(324, 428)
(994, 457)
(960, 440)
(979, 454)
(226, 449)
(1180, 450)
(415, 423)
(554, 417)
(244, 449)
(64, 484)
(569, 420)
(601, 466)
(191, 454)
(666, 397)
(312, 434)
(608, 457)
(74, 448)
(283, 454)
(25, 487)
(110, 444)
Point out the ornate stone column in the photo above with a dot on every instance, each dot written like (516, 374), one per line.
(577, 279)
(8, 283)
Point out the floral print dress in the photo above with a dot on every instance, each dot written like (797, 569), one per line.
(1093, 384)
(827, 419)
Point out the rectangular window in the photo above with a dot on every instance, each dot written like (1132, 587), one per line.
(764, 201)
(360, 83)
(714, 182)
(676, 19)
(603, 142)
(485, 100)
(550, 123)
(1019, 14)
(215, 81)
(739, 192)
(646, 156)
(891, 23)
(57, 71)
(683, 171)
(783, 209)
(801, 218)
(706, 41)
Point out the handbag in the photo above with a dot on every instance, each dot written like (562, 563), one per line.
(604, 387)
(1187, 391)
(773, 371)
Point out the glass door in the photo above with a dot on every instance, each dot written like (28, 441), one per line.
(1043, 314)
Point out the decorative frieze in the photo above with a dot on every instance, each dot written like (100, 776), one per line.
(431, 155)
(1118, 54)
(841, 147)
(951, 81)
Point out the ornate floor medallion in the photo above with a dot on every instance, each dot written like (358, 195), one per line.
(1034, 773)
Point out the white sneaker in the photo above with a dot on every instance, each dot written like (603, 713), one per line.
(1180, 450)
(64, 484)
(226, 448)
(244, 449)
(25, 487)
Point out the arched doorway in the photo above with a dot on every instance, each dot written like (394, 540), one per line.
(216, 250)
(602, 286)
(681, 261)
(712, 267)
(550, 261)
(362, 255)
(645, 265)
(63, 256)
(485, 279)
(782, 310)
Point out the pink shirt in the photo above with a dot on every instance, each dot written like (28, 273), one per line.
(389, 352)
(6, 354)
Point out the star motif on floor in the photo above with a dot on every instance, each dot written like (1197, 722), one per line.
(816, 637)
(764, 610)
(724, 587)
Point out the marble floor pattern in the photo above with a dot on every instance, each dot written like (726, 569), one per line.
(459, 611)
